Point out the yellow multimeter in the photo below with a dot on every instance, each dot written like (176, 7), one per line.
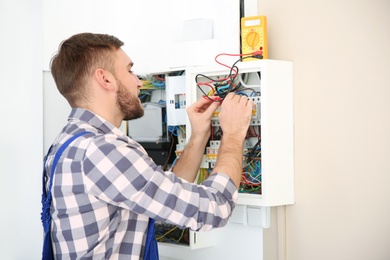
(254, 35)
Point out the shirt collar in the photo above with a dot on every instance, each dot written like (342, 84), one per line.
(84, 115)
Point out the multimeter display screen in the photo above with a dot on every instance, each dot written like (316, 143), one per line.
(252, 22)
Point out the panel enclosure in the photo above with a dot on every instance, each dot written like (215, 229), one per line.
(276, 116)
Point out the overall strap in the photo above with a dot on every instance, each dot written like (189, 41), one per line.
(46, 195)
(151, 248)
(47, 250)
(58, 155)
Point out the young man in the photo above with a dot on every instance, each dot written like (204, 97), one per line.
(106, 187)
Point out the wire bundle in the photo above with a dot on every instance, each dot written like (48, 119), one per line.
(219, 88)
(171, 234)
(251, 177)
(158, 81)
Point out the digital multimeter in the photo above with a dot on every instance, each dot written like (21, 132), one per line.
(254, 35)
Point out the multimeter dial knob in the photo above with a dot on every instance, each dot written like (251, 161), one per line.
(252, 39)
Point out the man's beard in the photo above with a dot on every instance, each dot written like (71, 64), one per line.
(129, 105)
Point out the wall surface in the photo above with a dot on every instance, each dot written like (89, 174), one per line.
(341, 56)
(21, 52)
(153, 31)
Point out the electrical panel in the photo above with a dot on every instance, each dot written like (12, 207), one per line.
(268, 162)
(268, 169)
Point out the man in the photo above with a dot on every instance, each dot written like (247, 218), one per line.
(106, 187)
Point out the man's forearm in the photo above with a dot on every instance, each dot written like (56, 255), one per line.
(229, 159)
(188, 164)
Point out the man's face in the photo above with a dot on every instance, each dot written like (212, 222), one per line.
(128, 103)
(128, 88)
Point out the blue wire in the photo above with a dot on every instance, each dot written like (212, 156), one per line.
(222, 88)
(241, 93)
(174, 161)
(158, 85)
(175, 130)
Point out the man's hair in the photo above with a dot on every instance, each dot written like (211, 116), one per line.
(77, 58)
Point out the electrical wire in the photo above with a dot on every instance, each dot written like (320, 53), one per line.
(226, 83)
(169, 231)
(170, 152)
(158, 81)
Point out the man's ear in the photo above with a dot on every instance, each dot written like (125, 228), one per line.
(105, 79)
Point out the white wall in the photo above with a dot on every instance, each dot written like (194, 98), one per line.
(153, 31)
(21, 128)
(341, 55)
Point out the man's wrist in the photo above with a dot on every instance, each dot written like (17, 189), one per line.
(199, 140)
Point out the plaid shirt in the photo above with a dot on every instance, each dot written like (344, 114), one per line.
(106, 187)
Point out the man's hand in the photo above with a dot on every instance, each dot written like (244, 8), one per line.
(235, 115)
(200, 114)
